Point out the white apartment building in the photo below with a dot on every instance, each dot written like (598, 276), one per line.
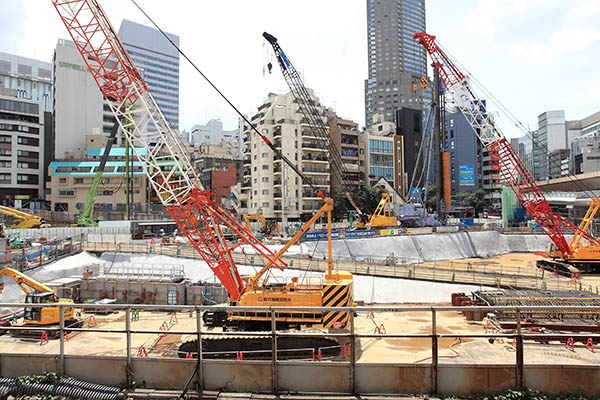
(269, 186)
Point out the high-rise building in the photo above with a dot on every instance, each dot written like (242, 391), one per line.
(466, 168)
(158, 62)
(585, 149)
(21, 148)
(550, 136)
(32, 79)
(79, 108)
(396, 61)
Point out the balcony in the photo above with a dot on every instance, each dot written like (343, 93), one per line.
(309, 145)
(277, 195)
(309, 195)
(314, 158)
(277, 169)
(247, 171)
(349, 153)
(277, 207)
(247, 161)
(246, 183)
(309, 207)
(277, 133)
(315, 170)
(277, 182)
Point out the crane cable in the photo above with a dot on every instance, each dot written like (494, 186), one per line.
(242, 116)
(516, 121)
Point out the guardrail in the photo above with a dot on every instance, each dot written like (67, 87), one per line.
(350, 363)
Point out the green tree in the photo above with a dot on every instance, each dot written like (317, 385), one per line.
(476, 200)
(431, 198)
(368, 198)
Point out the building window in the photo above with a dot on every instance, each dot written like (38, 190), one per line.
(265, 167)
(265, 155)
(265, 179)
(78, 181)
(265, 191)
(66, 193)
(106, 193)
(265, 204)
(62, 180)
(5, 177)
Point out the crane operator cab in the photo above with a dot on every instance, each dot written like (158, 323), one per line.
(45, 315)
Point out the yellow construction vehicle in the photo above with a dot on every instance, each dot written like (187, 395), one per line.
(38, 293)
(21, 220)
(257, 217)
(382, 216)
(267, 229)
(582, 256)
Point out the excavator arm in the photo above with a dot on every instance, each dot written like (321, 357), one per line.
(27, 284)
(22, 219)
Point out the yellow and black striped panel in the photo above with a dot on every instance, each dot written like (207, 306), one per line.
(339, 295)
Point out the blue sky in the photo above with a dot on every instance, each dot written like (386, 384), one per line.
(534, 55)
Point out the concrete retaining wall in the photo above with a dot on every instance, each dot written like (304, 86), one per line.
(432, 247)
(302, 377)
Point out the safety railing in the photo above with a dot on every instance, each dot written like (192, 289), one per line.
(388, 265)
(351, 335)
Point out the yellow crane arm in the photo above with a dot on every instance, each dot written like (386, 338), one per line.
(585, 223)
(24, 220)
(26, 283)
(380, 210)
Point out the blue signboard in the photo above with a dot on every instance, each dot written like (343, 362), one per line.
(320, 235)
(355, 234)
(466, 175)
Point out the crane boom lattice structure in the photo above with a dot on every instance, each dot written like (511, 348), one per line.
(511, 168)
(144, 126)
(307, 105)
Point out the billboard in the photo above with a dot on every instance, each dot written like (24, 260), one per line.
(466, 175)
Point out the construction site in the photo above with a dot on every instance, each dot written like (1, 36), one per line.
(398, 300)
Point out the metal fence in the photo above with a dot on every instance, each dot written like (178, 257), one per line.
(350, 361)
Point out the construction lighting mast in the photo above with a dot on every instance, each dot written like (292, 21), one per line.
(144, 126)
(511, 168)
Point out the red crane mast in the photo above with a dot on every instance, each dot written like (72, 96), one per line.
(144, 125)
(511, 168)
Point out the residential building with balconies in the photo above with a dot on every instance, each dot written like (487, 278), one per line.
(269, 186)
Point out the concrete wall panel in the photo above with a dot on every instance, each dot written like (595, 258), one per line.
(472, 379)
(232, 376)
(393, 379)
(558, 379)
(12, 365)
(85, 368)
(317, 377)
(162, 373)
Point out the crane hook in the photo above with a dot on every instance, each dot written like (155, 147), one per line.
(270, 66)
